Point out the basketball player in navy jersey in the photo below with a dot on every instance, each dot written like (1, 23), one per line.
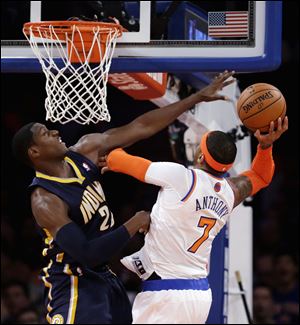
(70, 209)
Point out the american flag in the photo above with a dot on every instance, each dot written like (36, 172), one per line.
(228, 24)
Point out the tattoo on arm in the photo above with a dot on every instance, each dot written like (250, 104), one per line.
(242, 188)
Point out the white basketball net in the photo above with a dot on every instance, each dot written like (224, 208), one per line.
(75, 92)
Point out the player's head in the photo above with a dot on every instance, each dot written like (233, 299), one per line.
(216, 152)
(34, 143)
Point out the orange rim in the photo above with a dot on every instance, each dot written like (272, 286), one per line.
(67, 25)
(84, 32)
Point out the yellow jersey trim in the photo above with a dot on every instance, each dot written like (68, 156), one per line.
(73, 300)
(49, 286)
(48, 242)
(80, 178)
(59, 257)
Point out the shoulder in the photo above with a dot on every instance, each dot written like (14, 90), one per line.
(159, 167)
(166, 170)
(91, 146)
(49, 211)
(168, 174)
(43, 200)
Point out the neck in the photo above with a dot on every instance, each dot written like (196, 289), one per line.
(210, 171)
(58, 168)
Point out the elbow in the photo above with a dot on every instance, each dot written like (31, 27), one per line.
(144, 129)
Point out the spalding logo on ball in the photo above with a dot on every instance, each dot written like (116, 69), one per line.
(259, 105)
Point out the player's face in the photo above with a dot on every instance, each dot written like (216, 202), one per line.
(48, 142)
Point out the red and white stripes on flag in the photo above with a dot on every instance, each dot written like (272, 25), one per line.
(228, 24)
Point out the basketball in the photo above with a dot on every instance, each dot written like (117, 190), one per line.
(260, 104)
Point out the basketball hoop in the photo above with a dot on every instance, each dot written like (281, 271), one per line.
(76, 90)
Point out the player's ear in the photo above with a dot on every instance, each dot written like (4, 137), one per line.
(33, 152)
(200, 158)
(197, 155)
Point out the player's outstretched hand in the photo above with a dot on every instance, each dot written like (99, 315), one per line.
(210, 92)
(266, 140)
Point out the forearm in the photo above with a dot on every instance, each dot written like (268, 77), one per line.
(158, 119)
(262, 169)
(92, 252)
(144, 126)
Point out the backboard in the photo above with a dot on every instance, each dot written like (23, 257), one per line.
(163, 36)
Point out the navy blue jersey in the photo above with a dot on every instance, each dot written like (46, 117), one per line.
(85, 199)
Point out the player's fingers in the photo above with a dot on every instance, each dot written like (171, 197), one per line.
(219, 97)
(257, 134)
(285, 123)
(104, 170)
(279, 124)
(227, 99)
(271, 129)
(143, 231)
(226, 83)
(102, 162)
(226, 74)
(221, 76)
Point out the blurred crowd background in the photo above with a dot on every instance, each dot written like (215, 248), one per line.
(276, 209)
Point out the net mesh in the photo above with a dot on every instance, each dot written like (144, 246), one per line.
(76, 90)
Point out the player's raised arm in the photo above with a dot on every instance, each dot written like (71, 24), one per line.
(51, 213)
(262, 168)
(151, 122)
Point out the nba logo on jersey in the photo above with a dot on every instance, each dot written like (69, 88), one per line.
(86, 166)
(217, 187)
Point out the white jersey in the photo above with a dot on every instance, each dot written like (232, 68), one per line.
(191, 208)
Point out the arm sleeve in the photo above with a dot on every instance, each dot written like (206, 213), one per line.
(94, 252)
(120, 161)
(262, 169)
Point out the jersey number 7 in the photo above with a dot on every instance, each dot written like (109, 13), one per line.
(208, 223)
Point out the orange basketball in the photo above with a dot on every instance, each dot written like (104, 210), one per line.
(260, 104)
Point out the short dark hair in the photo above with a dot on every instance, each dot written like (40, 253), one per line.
(221, 147)
(21, 142)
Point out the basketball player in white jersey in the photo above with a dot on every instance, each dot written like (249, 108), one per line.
(192, 207)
